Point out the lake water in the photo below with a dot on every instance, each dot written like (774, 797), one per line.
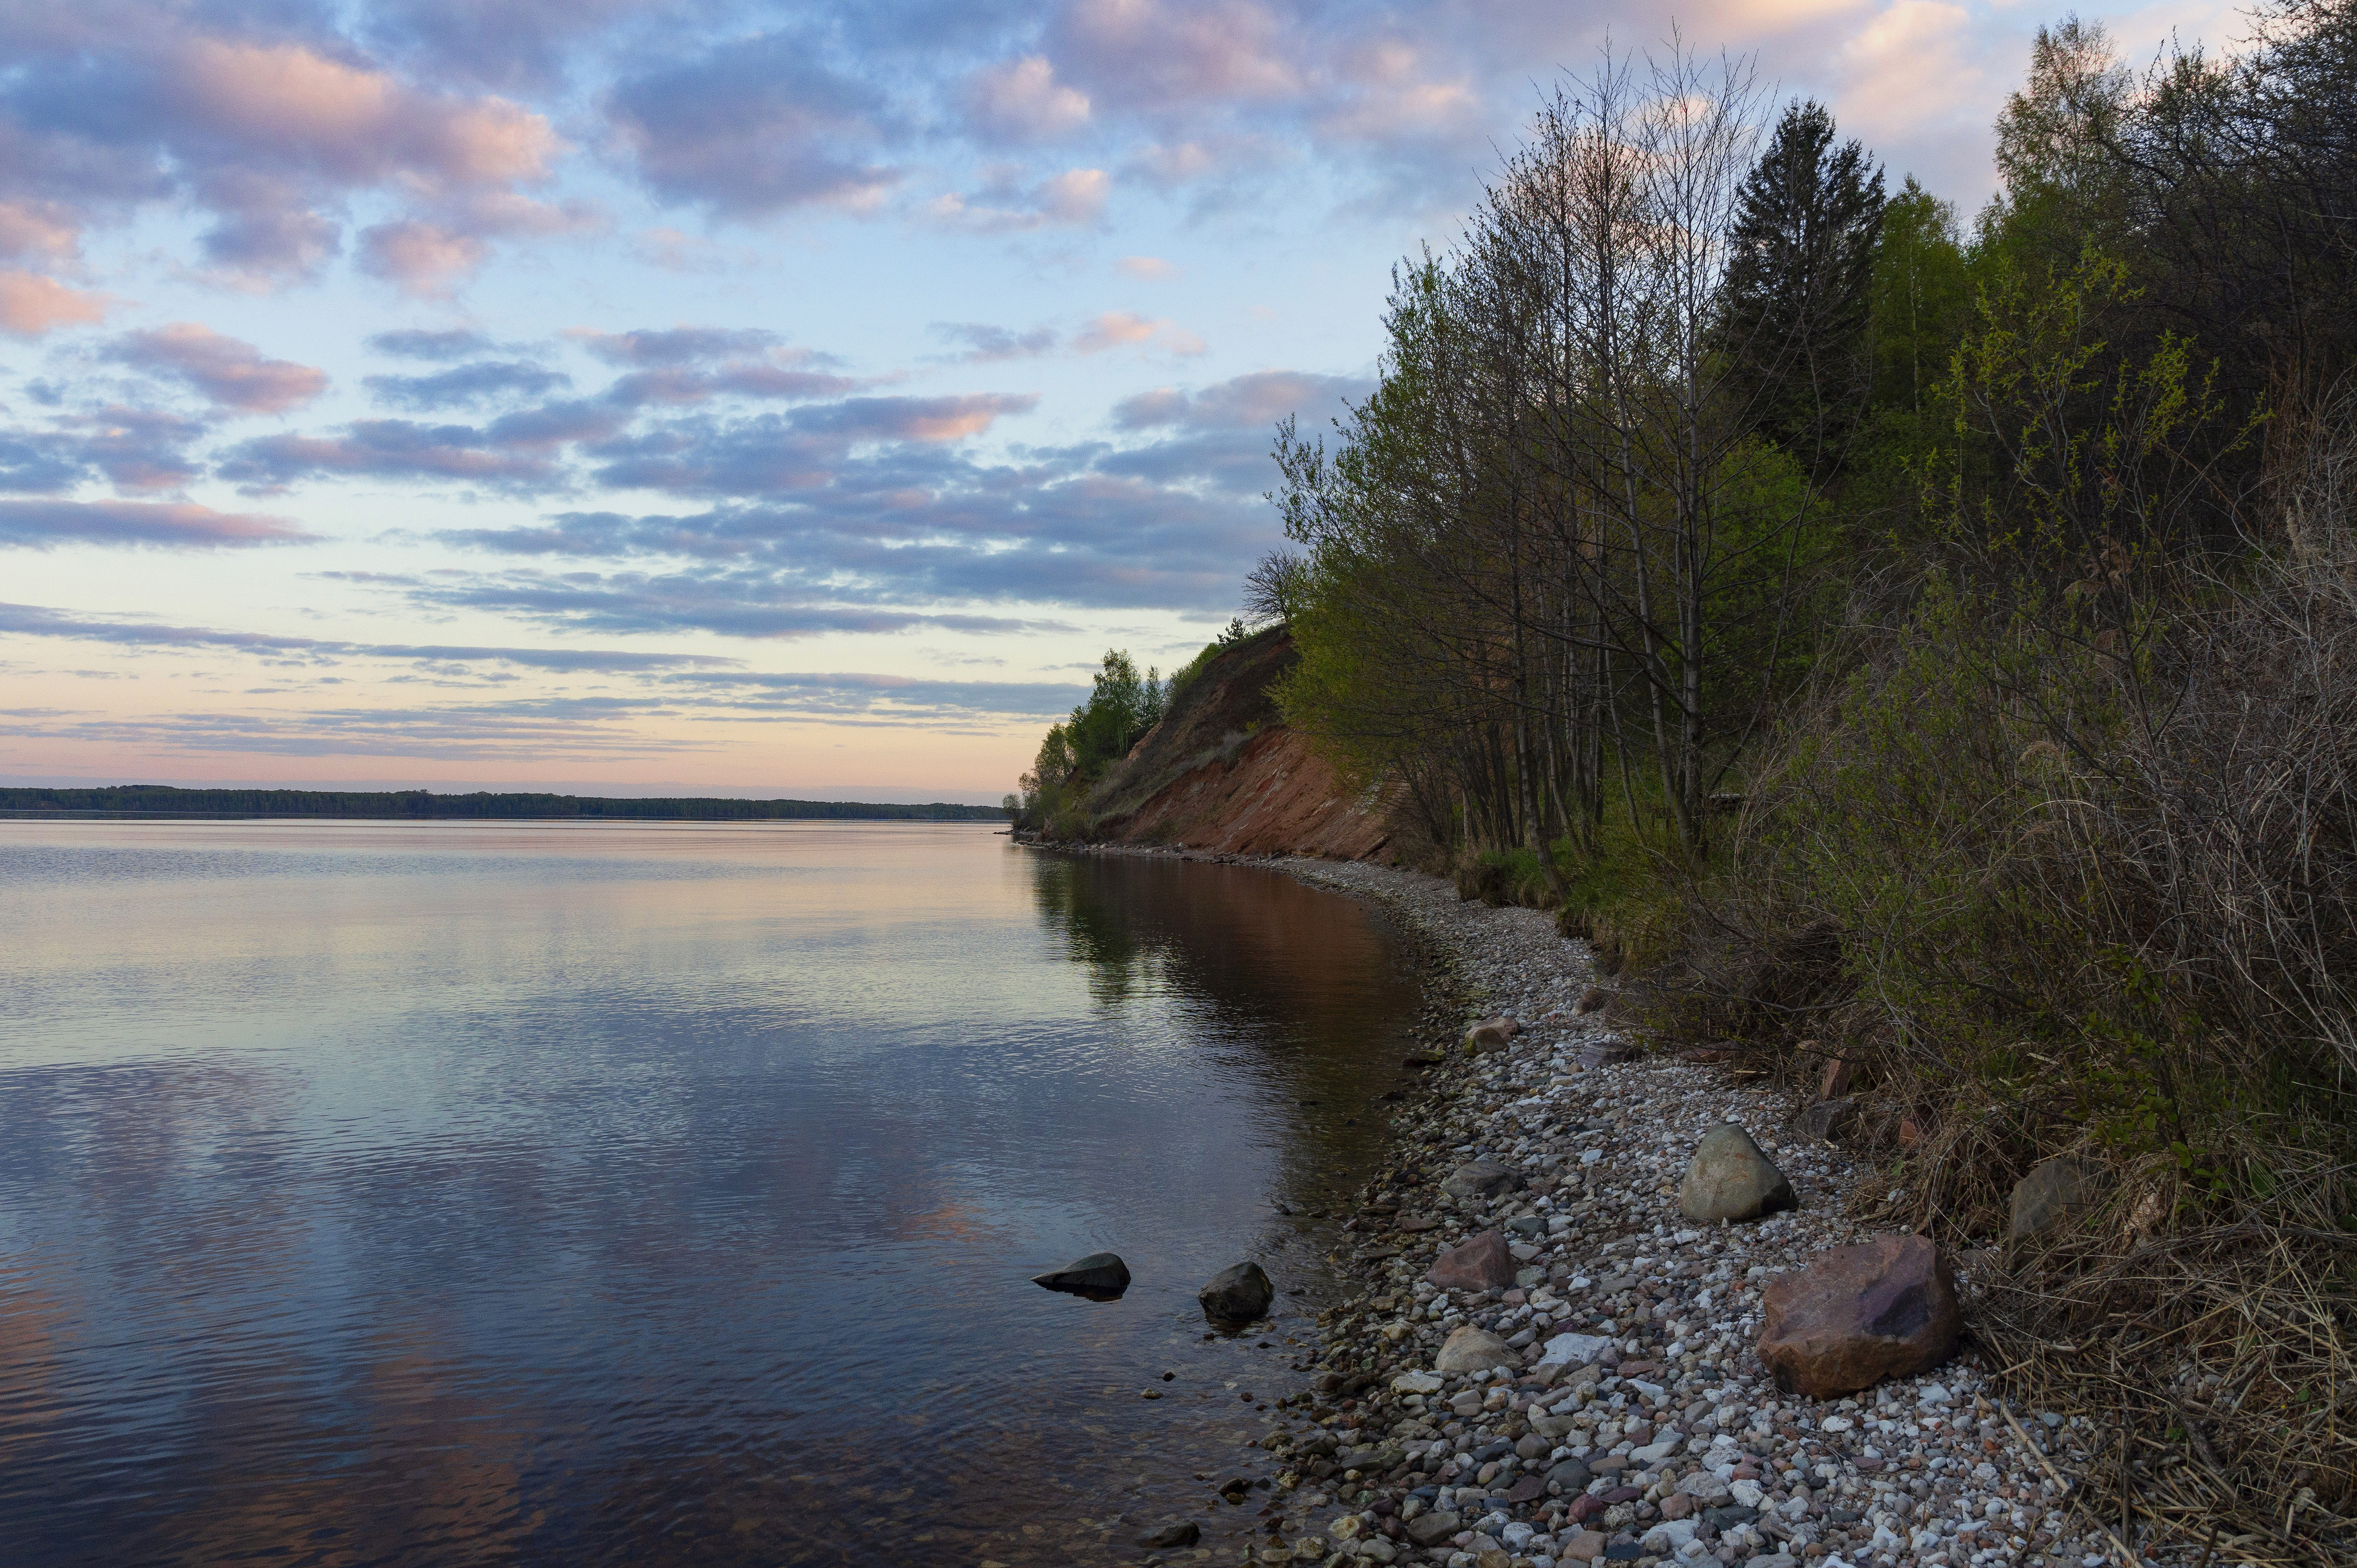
(455, 1192)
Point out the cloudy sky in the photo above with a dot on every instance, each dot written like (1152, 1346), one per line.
(792, 398)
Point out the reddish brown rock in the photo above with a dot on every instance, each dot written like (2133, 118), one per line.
(1479, 1263)
(1858, 1315)
(1840, 1073)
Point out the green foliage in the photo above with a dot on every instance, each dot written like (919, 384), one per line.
(1121, 707)
(2055, 450)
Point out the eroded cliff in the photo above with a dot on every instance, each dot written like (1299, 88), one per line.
(1223, 773)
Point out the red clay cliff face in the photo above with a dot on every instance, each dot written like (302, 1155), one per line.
(1223, 774)
(1274, 797)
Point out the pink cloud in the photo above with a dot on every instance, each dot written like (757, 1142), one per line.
(1021, 100)
(1075, 197)
(181, 524)
(231, 373)
(31, 305)
(359, 124)
(1116, 328)
(37, 228)
(1181, 53)
(424, 259)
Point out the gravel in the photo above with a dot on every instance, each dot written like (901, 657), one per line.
(1696, 1458)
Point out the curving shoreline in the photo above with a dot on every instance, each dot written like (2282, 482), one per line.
(1670, 1449)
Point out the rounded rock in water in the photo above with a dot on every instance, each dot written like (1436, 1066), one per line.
(1238, 1295)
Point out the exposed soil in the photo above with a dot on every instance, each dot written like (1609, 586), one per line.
(1223, 773)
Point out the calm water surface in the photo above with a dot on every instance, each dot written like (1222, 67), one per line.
(391, 1194)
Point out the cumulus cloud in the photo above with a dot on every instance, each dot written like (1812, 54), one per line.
(41, 524)
(392, 449)
(484, 381)
(136, 449)
(31, 305)
(429, 259)
(1148, 269)
(266, 139)
(37, 621)
(1021, 100)
(1075, 197)
(1120, 328)
(675, 344)
(757, 126)
(232, 374)
(420, 343)
(986, 345)
(1251, 402)
(497, 43)
(1167, 54)
(805, 450)
(754, 604)
(750, 379)
(898, 526)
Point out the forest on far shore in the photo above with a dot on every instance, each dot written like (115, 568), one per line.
(163, 799)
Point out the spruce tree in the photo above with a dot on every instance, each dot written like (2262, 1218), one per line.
(1799, 286)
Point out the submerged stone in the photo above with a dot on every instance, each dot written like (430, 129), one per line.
(1100, 1274)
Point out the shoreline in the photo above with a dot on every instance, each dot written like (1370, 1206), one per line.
(1671, 1448)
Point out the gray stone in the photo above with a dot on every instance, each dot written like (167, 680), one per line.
(1428, 1529)
(1481, 1178)
(1731, 1179)
(1237, 1295)
(2053, 1191)
(1185, 1532)
(1826, 1118)
(1099, 1273)
(1609, 1051)
(1571, 1474)
(1471, 1350)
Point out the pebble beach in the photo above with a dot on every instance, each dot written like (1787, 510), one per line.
(1629, 1418)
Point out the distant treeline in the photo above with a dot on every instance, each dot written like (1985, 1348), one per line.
(150, 799)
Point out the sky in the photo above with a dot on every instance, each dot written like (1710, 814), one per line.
(781, 400)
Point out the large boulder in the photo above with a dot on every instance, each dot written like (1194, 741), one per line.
(1471, 1350)
(1484, 1177)
(1858, 1315)
(2053, 1191)
(1490, 1034)
(1237, 1295)
(1481, 1263)
(1098, 1274)
(1731, 1179)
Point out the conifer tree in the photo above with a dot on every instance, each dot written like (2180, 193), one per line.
(1799, 286)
